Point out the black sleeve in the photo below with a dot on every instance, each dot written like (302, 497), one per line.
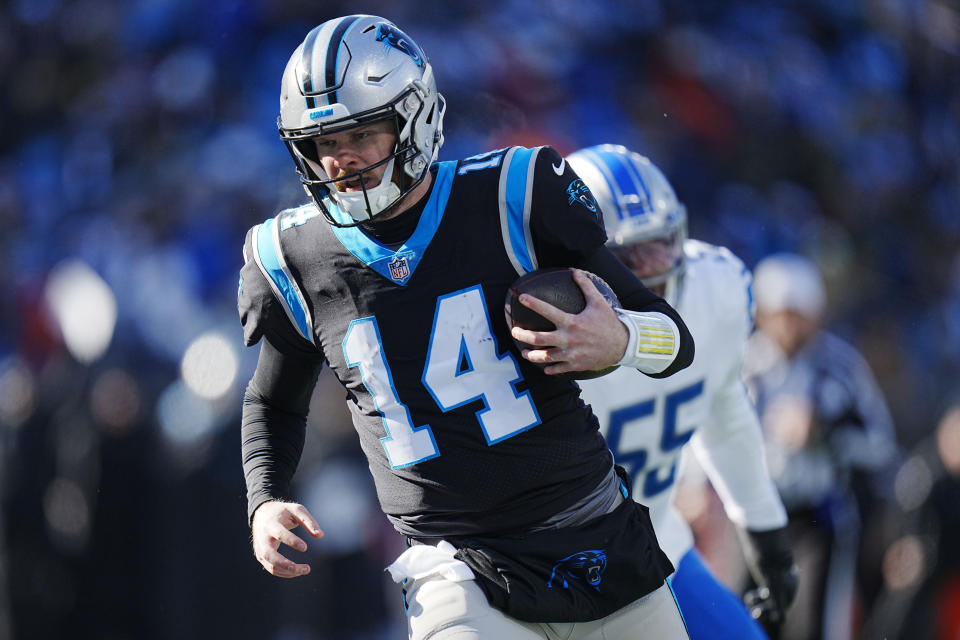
(564, 219)
(635, 296)
(273, 422)
(277, 399)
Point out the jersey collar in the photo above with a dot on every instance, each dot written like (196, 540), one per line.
(398, 265)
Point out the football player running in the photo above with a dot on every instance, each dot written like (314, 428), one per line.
(394, 275)
(648, 423)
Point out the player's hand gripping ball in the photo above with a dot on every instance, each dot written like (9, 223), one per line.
(557, 287)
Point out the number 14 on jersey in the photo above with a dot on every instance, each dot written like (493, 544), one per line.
(462, 366)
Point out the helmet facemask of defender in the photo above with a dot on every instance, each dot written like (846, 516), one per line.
(350, 72)
(646, 224)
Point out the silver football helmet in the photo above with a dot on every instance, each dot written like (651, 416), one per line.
(646, 224)
(349, 72)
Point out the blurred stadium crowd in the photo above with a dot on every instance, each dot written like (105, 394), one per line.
(139, 143)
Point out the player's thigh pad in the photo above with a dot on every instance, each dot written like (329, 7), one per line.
(441, 609)
(711, 611)
(655, 616)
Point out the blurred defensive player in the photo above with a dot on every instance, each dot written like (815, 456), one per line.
(829, 438)
(648, 423)
(394, 275)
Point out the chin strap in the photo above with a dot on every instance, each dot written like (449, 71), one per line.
(355, 204)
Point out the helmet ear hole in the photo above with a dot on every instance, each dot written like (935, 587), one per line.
(307, 149)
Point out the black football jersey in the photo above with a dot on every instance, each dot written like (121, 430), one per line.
(462, 434)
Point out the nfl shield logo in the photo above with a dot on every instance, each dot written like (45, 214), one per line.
(399, 269)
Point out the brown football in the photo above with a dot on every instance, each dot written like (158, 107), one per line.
(557, 287)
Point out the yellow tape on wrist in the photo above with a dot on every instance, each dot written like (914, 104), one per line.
(653, 341)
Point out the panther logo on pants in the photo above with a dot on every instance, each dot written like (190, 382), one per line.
(582, 565)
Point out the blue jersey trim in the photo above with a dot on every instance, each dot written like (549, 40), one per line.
(378, 257)
(751, 305)
(516, 201)
(271, 263)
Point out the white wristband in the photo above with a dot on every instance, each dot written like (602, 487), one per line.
(653, 342)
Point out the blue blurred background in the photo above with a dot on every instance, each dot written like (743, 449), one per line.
(138, 143)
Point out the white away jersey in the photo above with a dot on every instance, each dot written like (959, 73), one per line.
(647, 422)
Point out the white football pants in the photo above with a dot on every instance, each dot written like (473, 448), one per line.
(442, 609)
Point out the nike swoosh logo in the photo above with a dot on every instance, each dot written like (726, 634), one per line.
(372, 78)
(559, 169)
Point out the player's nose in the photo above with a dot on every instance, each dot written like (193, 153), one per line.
(345, 158)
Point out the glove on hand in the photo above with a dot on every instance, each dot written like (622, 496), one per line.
(771, 565)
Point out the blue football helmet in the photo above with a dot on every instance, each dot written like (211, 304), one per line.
(646, 224)
(349, 72)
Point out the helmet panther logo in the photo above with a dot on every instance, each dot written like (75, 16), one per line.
(582, 565)
(395, 38)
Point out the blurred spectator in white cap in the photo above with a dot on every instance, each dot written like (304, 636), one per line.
(790, 300)
(829, 437)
